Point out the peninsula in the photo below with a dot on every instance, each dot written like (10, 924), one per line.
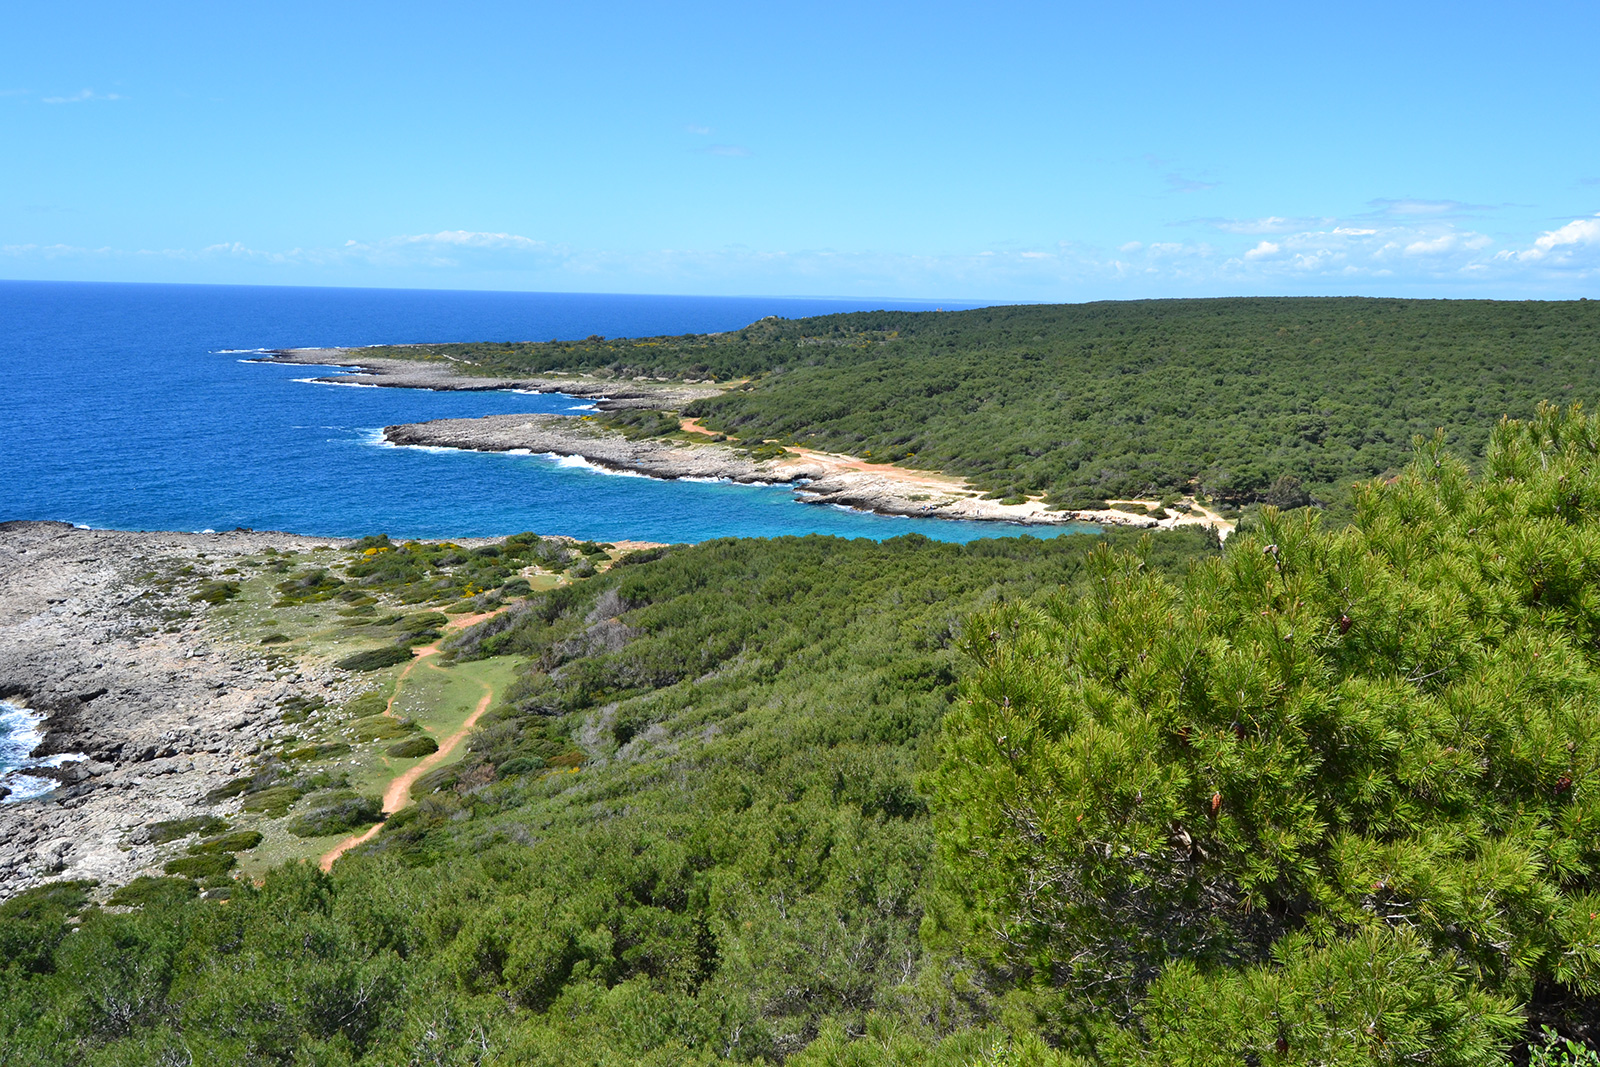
(693, 451)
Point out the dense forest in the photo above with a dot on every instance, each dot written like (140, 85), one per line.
(1117, 399)
(695, 831)
(1326, 797)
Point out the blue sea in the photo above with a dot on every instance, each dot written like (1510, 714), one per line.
(139, 407)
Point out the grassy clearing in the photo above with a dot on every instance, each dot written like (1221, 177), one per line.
(434, 699)
(308, 609)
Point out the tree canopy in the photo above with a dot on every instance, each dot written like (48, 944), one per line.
(1332, 796)
(1081, 402)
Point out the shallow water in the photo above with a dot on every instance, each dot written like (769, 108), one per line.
(138, 407)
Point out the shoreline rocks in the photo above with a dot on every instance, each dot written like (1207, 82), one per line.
(609, 394)
(125, 672)
(817, 478)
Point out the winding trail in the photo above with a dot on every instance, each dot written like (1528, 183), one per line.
(398, 793)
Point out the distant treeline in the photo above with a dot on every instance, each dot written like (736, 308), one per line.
(1081, 402)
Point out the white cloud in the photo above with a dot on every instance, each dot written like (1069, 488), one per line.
(698, 131)
(470, 239)
(82, 96)
(1265, 225)
(1401, 256)
(1415, 208)
(1561, 243)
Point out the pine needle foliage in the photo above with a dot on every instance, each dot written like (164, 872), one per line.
(1331, 797)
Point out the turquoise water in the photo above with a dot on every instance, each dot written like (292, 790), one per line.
(137, 407)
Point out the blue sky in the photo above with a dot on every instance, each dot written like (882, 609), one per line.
(1009, 152)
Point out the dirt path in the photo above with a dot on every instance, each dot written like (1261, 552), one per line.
(398, 794)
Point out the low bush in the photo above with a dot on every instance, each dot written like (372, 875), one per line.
(146, 890)
(238, 841)
(34, 921)
(338, 814)
(273, 802)
(322, 750)
(216, 592)
(375, 659)
(172, 829)
(414, 748)
(436, 781)
(382, 728)
(205, 866)
(373, 703)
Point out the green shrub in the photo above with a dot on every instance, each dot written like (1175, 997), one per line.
(172, 829)
(1552, 1050)
(520, 765)
(34, 921)
(216, 592)
(231, 788)
(299, 709)
(436, 781)
(145, 890)
(337, 815)
(273, 802)
(375, 659)
(373, 703)
(205, 866)
(382, 728)
(276, 639)
(414, 748)
(238, 841)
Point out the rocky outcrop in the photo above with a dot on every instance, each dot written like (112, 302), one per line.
(156, 712)
(817, 477)
(564, 435)
(609, 394)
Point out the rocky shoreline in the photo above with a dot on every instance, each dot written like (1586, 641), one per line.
(119, 661)
(609, 394)
(816, 477)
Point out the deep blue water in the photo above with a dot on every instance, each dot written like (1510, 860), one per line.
(133, 407)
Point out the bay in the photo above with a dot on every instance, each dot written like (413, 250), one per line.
(139, 407)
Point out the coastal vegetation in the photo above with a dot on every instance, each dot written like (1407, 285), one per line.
(1327, 796)
(1275, 400)
(692, 827)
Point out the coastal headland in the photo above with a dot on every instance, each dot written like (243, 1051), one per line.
(608, 394)
(817, 477)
